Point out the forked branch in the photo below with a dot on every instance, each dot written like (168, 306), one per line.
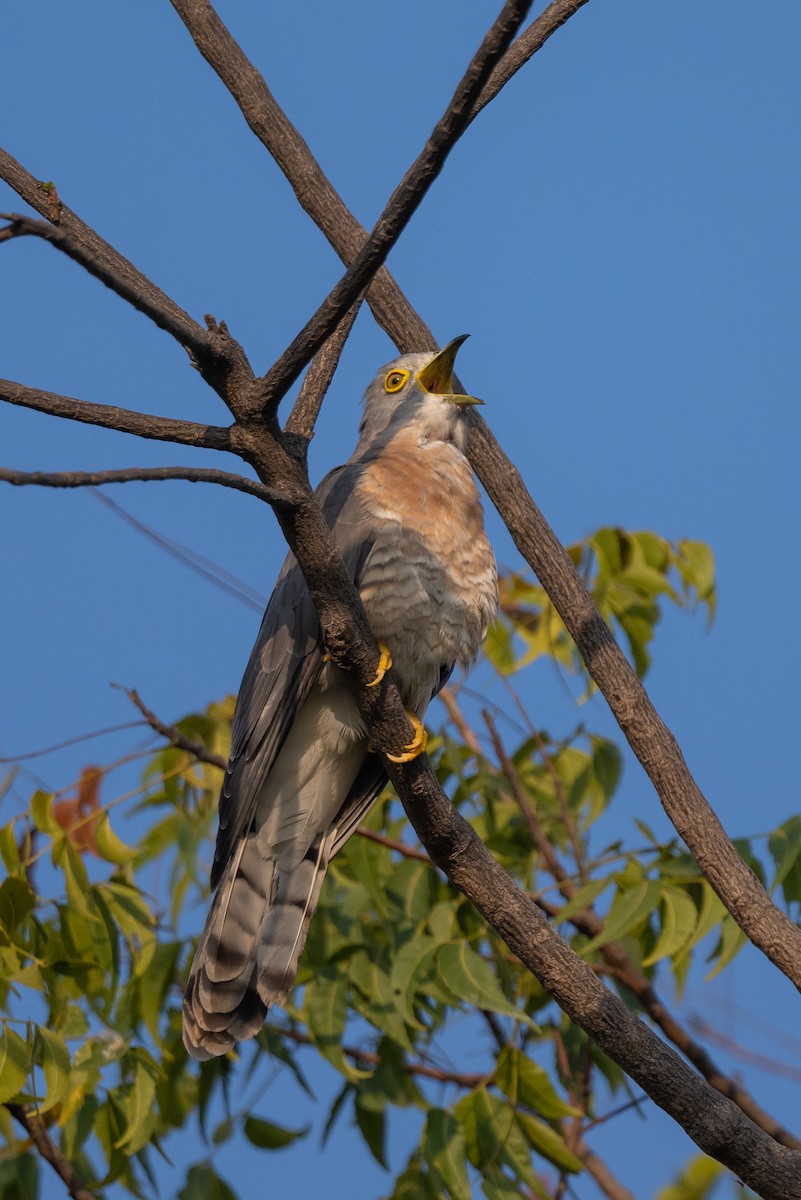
(78, 479)
(398, 211)
(125, 420)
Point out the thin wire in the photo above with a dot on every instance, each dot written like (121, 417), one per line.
(210, 571)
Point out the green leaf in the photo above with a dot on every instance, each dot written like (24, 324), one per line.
(269, 1136)
(42, 813)
(583, 898)
(134, 918)
(550, 1144)
(710, 916)
(9, 848)
(17, 901)
(527, 1083)
(696, 1181)
(139, 1106)
(679, 920)
(325, 1005)
(486, 1122)
(55, 1060)
(19, 1177)
(381, 1000)
(368, 862)
(203, 1183)
(112, 848)
(15, 1059)
(373, 1126)
(732, 940)
(411, 886)
(473, 981)
(629, 908)
(445, 1149)
(410, 966)
(784, 845)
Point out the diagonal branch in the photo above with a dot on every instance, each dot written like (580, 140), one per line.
(219, 358)
(314, 191)
(76, 479)
(614, 954)
(530, 41)
(301, 421)
(36, 1130)
(160, 429)
(400, 208)
(85, 246)
(652, 742)
(717, 1125)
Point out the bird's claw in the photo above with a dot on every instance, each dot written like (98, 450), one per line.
(416, 746)
(384, 663)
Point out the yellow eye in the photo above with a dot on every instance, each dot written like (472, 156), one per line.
(395, 381)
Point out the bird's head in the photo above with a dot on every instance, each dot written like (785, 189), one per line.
(417, 390)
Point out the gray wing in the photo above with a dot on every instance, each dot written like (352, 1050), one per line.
(283, 666)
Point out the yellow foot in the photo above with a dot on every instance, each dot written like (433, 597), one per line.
(326, 657)
(384, 663)
(418, 743)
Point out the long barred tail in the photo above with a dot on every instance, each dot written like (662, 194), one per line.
(248, 954)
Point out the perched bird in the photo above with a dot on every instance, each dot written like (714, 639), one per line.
(407, 518)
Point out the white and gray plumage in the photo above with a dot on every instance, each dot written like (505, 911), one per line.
(406, 516)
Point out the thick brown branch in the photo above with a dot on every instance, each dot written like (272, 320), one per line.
(76, 479)
(400, 208)
(613, 953)
(75, 238)
(36, 1130)
(160, 429)
(717, 1125)
(650, 739)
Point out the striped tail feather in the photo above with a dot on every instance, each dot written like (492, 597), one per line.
(248, 954)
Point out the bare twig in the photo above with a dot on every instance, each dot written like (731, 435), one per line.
(160, 429)
(400, 208)
(605, 1180)
(36, 1130)
(521, 50)
(536, 832)
(76, 479)
(203, 754)
(367, 1058)
(393, 844)
(448, 698)
(301, 421)
(75, 238)
(173, 735)
(764, 1061)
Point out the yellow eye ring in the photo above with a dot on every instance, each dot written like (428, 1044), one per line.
(395, 380)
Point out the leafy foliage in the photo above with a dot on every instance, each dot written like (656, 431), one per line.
(94, 946)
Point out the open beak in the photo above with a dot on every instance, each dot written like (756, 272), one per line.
(437, 377)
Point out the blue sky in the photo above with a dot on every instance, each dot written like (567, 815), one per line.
(619, 232)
